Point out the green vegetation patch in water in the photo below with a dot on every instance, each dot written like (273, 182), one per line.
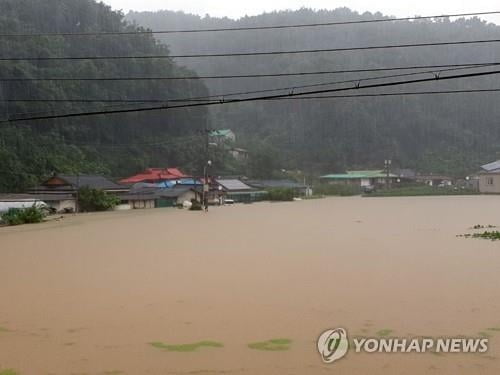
(186, 347)
(384, 332)
(8, 372)
(271, 345)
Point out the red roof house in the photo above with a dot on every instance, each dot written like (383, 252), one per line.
(154, 175)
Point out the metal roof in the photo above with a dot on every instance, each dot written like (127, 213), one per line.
(491, 166)
(287, 184)
(233, 185)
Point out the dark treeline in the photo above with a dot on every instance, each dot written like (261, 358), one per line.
(113, 144)
(441, 134)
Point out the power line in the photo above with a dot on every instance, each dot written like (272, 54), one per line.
(155, 143)
(244, 54)
(259, 98)
(249, 28)
(264, 75)
(292, 98)
(468, 91)
(219, 97)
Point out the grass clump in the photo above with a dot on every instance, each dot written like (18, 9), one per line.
(479, 226)
(337, 190)
(494, 329)
(384, 332)
(423, 190)
(487, 235)
(186, 347)
(271, 345)
(280, 195)
(8, 372)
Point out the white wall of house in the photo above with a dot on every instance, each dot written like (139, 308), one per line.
(187, 196)
(489, 183)
(62, 206)
(142, 204)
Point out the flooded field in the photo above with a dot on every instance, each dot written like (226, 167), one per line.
(248, 289)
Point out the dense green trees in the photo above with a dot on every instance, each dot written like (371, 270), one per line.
(114, 144)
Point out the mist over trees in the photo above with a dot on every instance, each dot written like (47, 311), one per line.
(433, 133)
(450, 134)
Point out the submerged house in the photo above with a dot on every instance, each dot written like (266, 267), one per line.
(360, 178)
(238, 191)
(155, 197)
(8, 201)
(299, 189)
(60, 191)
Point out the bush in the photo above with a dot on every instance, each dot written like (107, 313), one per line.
(196, 206)
(90, 200)
(280, 195)
(339, 190)
(18, 216)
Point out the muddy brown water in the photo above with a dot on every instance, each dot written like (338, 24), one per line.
(85, 295)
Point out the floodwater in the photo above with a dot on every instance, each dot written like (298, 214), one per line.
(89, 293)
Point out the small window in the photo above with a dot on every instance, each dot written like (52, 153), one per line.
(489, 181)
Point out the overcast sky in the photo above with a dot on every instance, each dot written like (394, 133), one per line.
(237, 9)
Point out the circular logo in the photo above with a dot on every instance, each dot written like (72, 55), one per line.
(333, 345)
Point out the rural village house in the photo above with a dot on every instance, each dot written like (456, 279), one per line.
(489, 178)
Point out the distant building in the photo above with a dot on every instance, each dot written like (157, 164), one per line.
(405, 174)
(155, 175)
(489, 178)
(239, 153)
(435, 180)
(362, 179)
(223, 135)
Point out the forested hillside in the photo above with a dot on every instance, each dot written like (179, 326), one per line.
(433, 133)
(116, 145)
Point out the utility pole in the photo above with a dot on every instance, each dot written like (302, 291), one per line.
(77, 203)
(387, 165)
(206, 164)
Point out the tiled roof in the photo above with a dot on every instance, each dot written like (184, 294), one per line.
(289, 184)
(155, 175)
(91, 181)
(66, 183)
(358, 175)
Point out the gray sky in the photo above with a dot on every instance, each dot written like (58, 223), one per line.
(236, 9)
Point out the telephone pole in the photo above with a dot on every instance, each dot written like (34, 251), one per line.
(387, 167)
